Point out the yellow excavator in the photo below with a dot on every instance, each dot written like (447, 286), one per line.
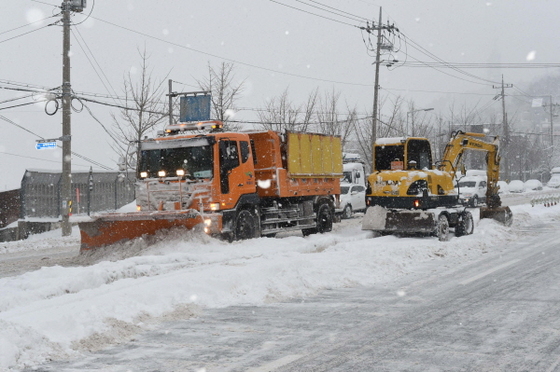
(409, 194)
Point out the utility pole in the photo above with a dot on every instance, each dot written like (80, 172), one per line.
(552, 110)
(505, 127)
(66, 182)
(379, 46)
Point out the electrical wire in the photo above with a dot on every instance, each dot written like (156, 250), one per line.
(40, 137)
(28, 24)
(314, 14)
(100, 123)
(338, 12)
(40, 159)
(229, 59)
(96, 64)
(486, 65)
(26, 33)
(423, 50)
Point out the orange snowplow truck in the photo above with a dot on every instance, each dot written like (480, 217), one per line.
(237, 185)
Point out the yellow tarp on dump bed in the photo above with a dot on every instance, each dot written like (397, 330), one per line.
(314, 155)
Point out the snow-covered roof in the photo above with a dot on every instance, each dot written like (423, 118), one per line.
(389, 141)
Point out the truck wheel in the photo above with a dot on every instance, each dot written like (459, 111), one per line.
(442, 229)
(324, 218)
(246, 226)
(347, 212)
(324, 221)
(465, 225)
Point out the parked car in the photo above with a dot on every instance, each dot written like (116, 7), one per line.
(533, 185)
(516, 186)
(504, 187)
(472, 190)
(554, 181)
(352, 199)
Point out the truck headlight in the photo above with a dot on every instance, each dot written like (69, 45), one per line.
(214, 206)
(161, 173)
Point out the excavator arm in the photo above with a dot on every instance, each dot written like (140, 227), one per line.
(454, 151)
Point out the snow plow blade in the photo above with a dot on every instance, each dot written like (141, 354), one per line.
(399, 221)
(114, 228)
(500, 214)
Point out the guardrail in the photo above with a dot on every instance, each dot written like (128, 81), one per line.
(546, 200)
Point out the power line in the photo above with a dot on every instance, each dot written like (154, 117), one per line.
(473, 65)
(39, 159)
(25, 33)
(329, 9)
(229, 59)
(97, 63)
(314, 14)
(28, 24)
(40, 137)
(436, 58)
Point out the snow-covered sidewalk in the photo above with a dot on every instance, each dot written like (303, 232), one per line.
(57, 312)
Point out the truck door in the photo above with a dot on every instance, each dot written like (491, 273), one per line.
(237, 175)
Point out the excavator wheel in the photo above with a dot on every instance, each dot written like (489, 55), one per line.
(465, 225)
(246, 226)
(442, 228)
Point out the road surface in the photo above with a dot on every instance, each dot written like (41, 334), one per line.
(500, 313)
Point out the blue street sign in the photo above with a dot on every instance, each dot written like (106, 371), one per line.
(45, 145)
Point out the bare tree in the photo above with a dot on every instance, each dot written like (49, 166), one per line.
(225, 92)
(332, 121)
(281, 114)
(144, 110)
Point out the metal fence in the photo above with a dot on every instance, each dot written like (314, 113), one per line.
(91, 192)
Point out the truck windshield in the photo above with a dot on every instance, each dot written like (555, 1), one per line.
(190, 162)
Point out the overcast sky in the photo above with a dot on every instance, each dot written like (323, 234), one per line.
(274, 45)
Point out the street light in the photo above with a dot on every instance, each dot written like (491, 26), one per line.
(411, 112)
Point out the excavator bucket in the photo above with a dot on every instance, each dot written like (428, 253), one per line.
(119, 227)
(500, 214)
(399, 221)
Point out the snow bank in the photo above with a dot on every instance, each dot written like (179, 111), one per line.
(56, 312)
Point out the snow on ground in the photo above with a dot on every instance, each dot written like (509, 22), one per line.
(62, 311)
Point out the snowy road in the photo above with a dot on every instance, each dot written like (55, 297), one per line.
(334, 302)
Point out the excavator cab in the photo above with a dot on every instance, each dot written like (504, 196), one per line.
(403, 154)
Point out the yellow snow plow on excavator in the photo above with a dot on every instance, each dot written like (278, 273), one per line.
(407, 193)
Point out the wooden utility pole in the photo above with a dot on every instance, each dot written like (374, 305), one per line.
(66, 181)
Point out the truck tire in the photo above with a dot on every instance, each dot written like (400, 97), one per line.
(442, 228)
(465, 226)
(324, 220)
(246, 225)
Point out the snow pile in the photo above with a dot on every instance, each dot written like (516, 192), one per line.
(56, 312)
